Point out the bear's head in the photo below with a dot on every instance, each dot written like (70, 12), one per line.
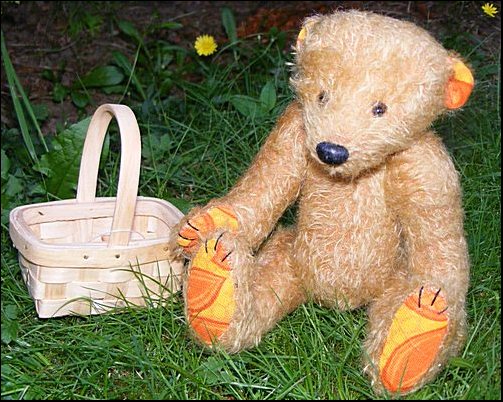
(369, 86)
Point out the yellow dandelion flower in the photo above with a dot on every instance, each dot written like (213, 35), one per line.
(490, 9)
(205, 45)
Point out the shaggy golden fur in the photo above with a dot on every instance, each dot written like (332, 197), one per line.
(371, 230)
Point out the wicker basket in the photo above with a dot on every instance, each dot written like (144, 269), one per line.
(88, 255)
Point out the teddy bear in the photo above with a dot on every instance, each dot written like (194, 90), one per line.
(379, 219)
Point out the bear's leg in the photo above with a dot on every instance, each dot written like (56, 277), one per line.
(415, 326)
(232, 298)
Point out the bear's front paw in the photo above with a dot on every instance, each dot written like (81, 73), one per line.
(414, 340)
(197, 229)
(210, 291)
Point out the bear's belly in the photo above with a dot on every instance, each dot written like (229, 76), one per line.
(348, 243)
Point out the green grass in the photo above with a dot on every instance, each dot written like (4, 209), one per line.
(195, 147)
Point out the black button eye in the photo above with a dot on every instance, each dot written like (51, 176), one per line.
(322, 98)
(379, 109)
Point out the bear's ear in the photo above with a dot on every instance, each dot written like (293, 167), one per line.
(301, 37)
(460, 84)
(308, 23)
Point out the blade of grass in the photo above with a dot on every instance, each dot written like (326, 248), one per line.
(14, 83)
(9, 71)
(130, 71)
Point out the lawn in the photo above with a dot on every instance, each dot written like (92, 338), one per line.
(202, 120)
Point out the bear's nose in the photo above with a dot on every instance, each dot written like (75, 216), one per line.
(332, 154)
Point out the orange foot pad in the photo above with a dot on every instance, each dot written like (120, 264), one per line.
(220, 217)
(414, 339)
(210, 292)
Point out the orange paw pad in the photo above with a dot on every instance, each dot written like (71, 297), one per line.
(210, 292)
(414, 339)
(216, 217)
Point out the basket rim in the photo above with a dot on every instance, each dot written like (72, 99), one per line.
(18, 224)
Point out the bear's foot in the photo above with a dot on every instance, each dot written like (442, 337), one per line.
(205, 224)
(414, 340)
(210, 292)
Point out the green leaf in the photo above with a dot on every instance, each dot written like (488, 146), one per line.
(229, 24)
(14, 186)
(130, 30)
(123, 62)
(80, 99)
(279, 36)
(213, 371)
(59, 92)
(102, 77)
(150, 147)
(49, 75)
(169, 25)
(220, 99)
(40, 111)
(9, 331)
(63, 162)
(247, 105)
(5, 165)
(268, 96)
(93, 22)
(5, 210)
(10, 311)
(35, 189)
(114, 89)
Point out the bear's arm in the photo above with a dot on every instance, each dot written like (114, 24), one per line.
(423, 190)
(273, 180)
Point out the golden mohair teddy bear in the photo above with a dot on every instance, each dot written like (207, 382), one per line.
(380, 221)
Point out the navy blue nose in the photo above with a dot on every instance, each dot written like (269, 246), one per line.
(332, 154)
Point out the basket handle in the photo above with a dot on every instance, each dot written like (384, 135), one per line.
(129, 174)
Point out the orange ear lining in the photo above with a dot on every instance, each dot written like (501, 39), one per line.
(459, 87)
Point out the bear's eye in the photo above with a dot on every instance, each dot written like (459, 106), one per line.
(379, 109)
(322, 98)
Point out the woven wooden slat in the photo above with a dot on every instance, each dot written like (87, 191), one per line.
(90, 254)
